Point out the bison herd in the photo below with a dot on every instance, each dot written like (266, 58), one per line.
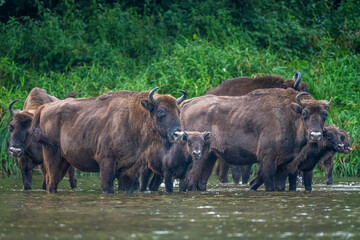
(144, 138)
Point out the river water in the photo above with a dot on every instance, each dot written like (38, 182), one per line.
(225, 211)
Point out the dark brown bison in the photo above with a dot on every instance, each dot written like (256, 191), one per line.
(312, 153)
(107, 134)
(267, 126)
(28, 152)
(241, 86)
(177, 161)
(327, 160)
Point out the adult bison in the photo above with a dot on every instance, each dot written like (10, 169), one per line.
(267, 126)
(241, 86)
(107, 134)
(28, 152)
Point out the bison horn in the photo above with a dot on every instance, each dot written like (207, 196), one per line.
(297, 79)
(331, 100)
(151, 95)
(182, 98)
(298, 98)
(11, 110)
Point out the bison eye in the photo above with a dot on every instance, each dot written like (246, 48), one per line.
(305, 114)
(161, 113)
(11, 128)
(329, 135)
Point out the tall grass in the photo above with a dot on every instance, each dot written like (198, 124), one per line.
(98, 47)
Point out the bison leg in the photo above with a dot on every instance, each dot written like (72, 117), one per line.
(184, 181)
(222, 170)
(107, 176)
(25, 172)
(256, 183)
(72, 177)
(145, 176)
(280, 179)
(292, 182)
(207, 170)
(268, 174)
(168, 181)
(329, 166)
(55, 173)
(43, 172)
(155, 182)
(236, 173)
(245, 173)
(308, 175)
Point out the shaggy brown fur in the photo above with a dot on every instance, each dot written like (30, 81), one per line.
(264, 126)
(31, 152)
(107, 134)
(238, 87)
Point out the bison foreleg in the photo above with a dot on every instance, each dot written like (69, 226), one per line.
(222, 170)
(72, 177)
(155, 182)
(236, 171)
(25, 172)
(245, 173)
(308, 175)
(43, 172)
(107, 176)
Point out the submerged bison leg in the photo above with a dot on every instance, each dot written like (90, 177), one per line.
(280, 178)
(168, 181)
(245, 173)
(329, 166)
(268, 174)
(56, 168)
(145, 176)
(222, 170)
(43, 172)
(207, 170)
(25, 172)
(236, 172)
(72, 177)
(107, 175)
(155, 182)
(292, 181)
(308, 175)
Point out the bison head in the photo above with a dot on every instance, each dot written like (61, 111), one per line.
(19, 130)
(197, 143)
(334, 138)
(165, 112)
(314, 114)
(345, 138)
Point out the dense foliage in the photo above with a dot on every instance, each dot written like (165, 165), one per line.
(93, 47)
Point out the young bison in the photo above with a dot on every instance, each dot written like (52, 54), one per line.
(178, 161)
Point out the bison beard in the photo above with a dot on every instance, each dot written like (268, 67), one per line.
(107, 134)
(265, 126)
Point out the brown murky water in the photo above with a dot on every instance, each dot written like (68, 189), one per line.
(224, 211)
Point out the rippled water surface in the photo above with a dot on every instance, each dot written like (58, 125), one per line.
(224, 211)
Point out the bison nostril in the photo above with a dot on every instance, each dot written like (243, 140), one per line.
(196, 154)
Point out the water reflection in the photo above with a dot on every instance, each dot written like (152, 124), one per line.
(224, 211)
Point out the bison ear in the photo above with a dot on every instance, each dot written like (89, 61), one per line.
(147, 105)
(185, 136)
(207, 136)
(296, 108)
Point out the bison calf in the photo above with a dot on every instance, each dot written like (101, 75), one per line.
(178, 160)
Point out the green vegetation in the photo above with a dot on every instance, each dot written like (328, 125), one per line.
(93, 47)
